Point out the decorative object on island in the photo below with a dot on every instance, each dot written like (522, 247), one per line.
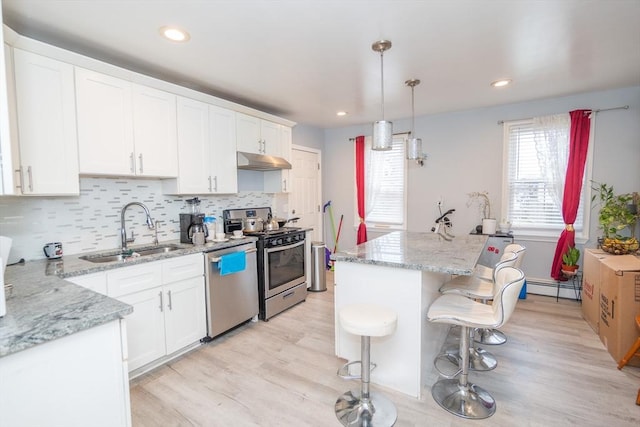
(414, 145)
(570, 261)
(382, 129)
(617, 218)
(484, 205)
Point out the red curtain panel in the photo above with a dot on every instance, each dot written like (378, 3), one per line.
(362, 228)
(578, 145)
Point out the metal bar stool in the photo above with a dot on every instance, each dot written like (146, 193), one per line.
(459, 396)
(363, 407)
(478, 287)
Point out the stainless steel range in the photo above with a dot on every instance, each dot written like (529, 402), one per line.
(281, 261)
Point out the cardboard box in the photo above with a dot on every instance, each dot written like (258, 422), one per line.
(591, 286)
(619, 304)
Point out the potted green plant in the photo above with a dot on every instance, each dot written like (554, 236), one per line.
(617, 219)
(570, 260)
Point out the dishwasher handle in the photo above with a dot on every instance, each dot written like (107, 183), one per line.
(249, 251)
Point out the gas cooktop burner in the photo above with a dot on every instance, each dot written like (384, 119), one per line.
(283, 230)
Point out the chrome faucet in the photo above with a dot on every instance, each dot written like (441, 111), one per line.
(123, 230)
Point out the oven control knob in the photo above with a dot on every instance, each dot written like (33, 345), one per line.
(277, 242)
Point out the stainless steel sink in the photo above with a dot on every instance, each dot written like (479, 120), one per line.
(123, 256)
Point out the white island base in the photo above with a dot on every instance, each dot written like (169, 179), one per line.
(405, 359)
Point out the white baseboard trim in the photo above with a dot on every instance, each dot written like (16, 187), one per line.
(549, 287)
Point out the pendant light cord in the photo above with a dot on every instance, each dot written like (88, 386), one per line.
(382, 80)
(413, 116)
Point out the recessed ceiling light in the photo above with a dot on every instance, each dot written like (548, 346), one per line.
(501, 83)
(341, 113)
(174, 34)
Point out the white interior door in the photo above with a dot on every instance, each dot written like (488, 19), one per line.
(305, 197)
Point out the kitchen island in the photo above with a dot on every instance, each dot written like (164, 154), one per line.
(402, 271)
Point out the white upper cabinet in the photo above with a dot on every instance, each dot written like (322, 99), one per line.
(105, 124)
(222, 125)
(279, 181)
(248, 137)
(154, 130)
(125, 129)
(45, 113)
(207, 150)
(258, 136)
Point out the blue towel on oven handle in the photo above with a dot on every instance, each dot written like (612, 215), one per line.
(232, 263)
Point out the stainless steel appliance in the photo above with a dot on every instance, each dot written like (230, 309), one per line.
(231, 299)
(281, 261)
(494, 248)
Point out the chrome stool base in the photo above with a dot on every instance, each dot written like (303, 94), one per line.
(490, 336)
(468, 401)
(352, 410)
(479, 359)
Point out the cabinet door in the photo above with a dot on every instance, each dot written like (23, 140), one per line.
(154, 130)
(145, 327)
(248, 134)
(271, 137)
(46, 114)
(185, 313)
(194, 148)
(224, 171)
(279, 181)
(105, 124)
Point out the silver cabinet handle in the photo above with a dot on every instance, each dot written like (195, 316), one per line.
(30, 175)
(210, 187)
(248, 251)
(20, 173)
(215, 180)
(284, 184)
(161, 302)
(132, 165)
(170, 302)
(140, 157)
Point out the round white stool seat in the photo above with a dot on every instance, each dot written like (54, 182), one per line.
(368, 320)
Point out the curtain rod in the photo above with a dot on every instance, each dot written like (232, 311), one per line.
(625, 107)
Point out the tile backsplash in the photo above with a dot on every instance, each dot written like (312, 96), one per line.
(91, 221)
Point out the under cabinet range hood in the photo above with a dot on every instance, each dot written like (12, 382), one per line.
(261, 162)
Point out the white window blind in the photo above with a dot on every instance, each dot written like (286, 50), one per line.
(534, 178)
(385, 183)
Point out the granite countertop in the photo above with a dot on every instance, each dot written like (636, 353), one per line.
(42, 306)
(419, 251)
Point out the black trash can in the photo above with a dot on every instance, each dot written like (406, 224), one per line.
(318, 267)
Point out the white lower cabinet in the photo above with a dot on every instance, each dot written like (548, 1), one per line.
(145, 327)
(185, 319)
(76, 381)
(168, 300)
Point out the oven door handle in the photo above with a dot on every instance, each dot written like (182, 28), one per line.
(248, 251)
(284, 248)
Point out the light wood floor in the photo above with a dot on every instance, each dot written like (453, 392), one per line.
(553, 371)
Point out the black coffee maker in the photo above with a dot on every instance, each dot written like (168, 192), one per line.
(192, 221)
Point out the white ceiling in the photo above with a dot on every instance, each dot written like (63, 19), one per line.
(307, 59)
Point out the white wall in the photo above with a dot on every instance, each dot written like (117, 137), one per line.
(465, 155)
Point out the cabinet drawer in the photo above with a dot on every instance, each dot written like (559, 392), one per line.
(182, 268)
(136, 278)
(97, 282)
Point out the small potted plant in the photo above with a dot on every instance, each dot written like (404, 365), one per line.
(617, 217)
(570, 261)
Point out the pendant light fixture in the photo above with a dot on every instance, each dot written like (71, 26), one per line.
(382, 129)
(414, 145)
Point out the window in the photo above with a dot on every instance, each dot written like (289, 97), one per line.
(536, 156)
(385, 184)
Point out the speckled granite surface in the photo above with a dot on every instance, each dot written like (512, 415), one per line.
(42, 306)
(418, 251)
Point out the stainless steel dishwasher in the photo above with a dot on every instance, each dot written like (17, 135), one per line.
(231, 299)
